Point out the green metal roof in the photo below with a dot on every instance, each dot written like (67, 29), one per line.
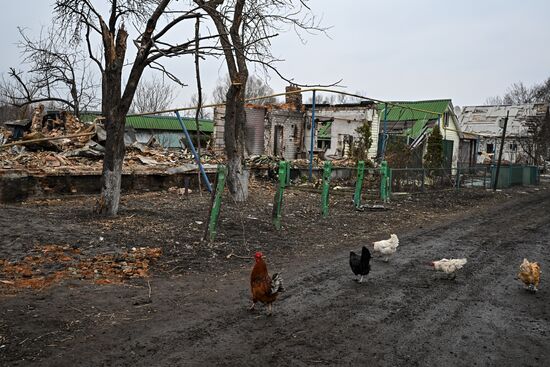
(404, 113)
(168, 123)
(160, 122)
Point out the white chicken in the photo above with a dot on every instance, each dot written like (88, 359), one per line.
(387, 247)
(449, 266)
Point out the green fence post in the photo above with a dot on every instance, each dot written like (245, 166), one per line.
(327, 169)
(215, 212)
(384, 181)
(278, 200)
(359, 184)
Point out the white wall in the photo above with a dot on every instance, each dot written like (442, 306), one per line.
(346, 121)
(451, 132)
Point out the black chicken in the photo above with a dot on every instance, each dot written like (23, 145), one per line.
(360, 265)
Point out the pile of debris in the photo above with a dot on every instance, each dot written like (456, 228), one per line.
(50, 264)
(58, 143)
(269, 162)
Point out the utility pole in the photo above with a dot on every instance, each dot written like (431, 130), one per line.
(501, 149)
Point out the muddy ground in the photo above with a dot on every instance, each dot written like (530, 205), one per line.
(191, 309)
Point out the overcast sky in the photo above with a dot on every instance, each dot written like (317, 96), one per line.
(465, 50)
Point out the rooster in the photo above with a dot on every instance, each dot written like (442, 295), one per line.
(360, 265)
(449, 266)
(529, 274)
(387, 247)
(264, 288)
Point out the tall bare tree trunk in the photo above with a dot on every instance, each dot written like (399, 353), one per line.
(114, 112)
(234, 136)
(112, 166)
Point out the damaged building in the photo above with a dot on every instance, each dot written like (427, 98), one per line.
(414, 122)
(524, 123)
(284, 130)
(336, 127)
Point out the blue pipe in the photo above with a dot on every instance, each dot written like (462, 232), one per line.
(203, 173)
(312, 137)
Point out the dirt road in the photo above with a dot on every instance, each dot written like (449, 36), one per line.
(404, 315)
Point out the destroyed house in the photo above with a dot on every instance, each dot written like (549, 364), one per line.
(275, 130)
(524, 123)
(414, 121)
(165, 130)
(284, 130)
(336, 127)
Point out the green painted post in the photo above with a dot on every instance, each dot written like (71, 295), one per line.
(215, 212)
(278, 200)
(327, 169)
(359, 184)
(384, 181)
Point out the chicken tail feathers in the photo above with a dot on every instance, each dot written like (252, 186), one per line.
(277, 284)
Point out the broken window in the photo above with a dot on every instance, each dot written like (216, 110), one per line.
(513, 147)
(323, 144)
(490, 148)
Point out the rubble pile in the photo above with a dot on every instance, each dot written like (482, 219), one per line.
(58, 143)
(82, 152)
(270, 162)
(50, 264)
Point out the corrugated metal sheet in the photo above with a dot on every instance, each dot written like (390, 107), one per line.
(160, 122)
(403, 113)
(255, 126)
(484, 120)
(167, 123)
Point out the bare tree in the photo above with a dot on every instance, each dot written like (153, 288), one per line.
(323, 98)
(82, 20)
(335, 98)
(57, 73)
(245, 29)
(153, 95)
(194, 102)
(518, 93)
(541, 92)
(255, 87)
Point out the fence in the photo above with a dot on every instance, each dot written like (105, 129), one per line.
(415, 180)
(380, 183)
(480, 177)
(516, 175)
(420, 179)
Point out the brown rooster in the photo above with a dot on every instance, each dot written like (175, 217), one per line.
(264, 288)
(529, 274)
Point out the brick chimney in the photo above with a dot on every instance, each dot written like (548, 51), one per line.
(294, 98)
